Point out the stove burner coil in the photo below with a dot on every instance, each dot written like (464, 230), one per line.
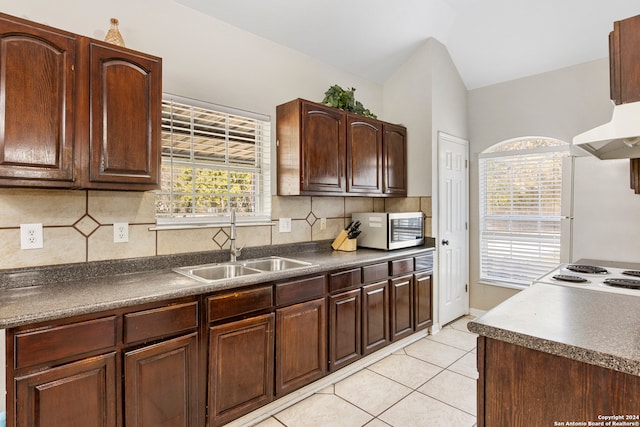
(623, 283)
(589, 269)
(569, 278)
(634, 273)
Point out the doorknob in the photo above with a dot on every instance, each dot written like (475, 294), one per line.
(445, 242)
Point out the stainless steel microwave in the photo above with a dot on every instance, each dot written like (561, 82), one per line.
(390, 230)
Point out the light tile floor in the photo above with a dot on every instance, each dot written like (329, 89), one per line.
(431, 382)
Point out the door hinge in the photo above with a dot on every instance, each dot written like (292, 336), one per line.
(466, 287)
(466, 225)
(466, 164)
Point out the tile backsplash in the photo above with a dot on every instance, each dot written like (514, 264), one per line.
(78, 225)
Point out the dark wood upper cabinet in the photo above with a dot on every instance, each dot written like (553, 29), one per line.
(37, 80)
(624, 60)
(364, 155)
(325, 151)
(76, 112)
(124, 134)
(311, 138)
(395, 160)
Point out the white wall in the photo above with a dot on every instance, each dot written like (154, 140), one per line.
(606, 212)
(428, 95)
(407, 98)
(558, 104)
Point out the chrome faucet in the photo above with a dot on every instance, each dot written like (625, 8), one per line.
(233, 252)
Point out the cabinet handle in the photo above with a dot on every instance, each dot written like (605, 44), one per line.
(445, 242)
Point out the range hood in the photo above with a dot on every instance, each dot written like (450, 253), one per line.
(618, 139)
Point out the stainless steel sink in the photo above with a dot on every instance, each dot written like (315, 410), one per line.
(228, 270)
(275, 264)
(213, 272)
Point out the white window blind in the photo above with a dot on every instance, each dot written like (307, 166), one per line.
(214, 159)
(520, 211)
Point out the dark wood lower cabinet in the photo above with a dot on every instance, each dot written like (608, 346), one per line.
(422, 300)
(207, 360)
(78, 394)
(518, 386)
(301, 345)
(345, 328)
(161, 384)
(240, 367)
(401, 307)
(375, 316)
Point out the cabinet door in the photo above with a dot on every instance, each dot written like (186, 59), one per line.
(401, 307)
(301, 345)
(364, 155)
(240, 367)
(36, 104)
(126, 98)
(423, 296)
(375, 316)
(624, 60)
(345, 328)
(323, 149)
(79, 394)
(394, 146)
(161, 384)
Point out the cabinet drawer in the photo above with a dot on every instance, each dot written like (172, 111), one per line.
(300, 290)
(401, 266)
(61, 343)
(240, 302)
(149, 324)
(424, 262)
(345, 279)
(375, 272)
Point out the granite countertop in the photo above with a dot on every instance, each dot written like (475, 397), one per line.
(35, 295)
(599, 328)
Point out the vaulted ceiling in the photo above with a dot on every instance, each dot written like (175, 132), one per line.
(490, 41)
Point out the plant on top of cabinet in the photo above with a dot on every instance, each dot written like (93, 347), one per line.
(76, 112)
(345, 99)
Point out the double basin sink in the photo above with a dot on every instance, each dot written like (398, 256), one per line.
(228, 270)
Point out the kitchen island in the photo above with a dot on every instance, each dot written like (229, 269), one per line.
(559, 356)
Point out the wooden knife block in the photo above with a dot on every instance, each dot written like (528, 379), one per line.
(343, 243)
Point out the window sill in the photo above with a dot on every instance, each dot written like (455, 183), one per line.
(162, 227)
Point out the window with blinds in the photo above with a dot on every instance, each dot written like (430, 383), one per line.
(214, 159)
(520, 210)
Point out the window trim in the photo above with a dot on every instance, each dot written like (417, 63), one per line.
(204, 221)
(565, 209)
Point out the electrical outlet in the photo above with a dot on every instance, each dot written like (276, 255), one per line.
(31, 236)
(285, 225)
(323, 223)
(120, 232)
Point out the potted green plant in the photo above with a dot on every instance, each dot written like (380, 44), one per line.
(345, 99)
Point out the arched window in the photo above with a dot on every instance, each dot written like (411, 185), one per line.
(521, 215)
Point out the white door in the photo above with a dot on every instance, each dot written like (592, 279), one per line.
(453, 223)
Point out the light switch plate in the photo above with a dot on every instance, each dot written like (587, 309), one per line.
(285, 225)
